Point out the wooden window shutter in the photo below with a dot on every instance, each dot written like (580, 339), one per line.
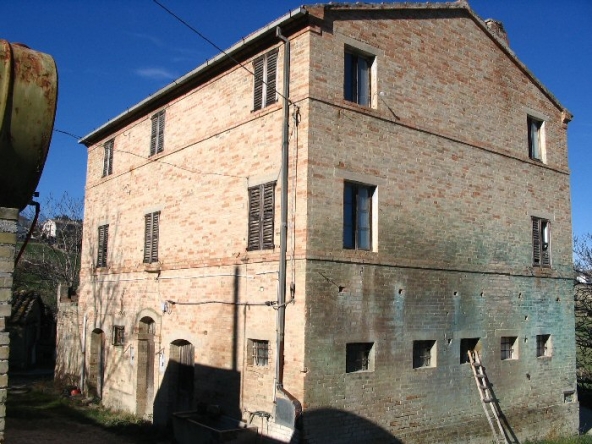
(151, 229)
(108, 158)
(254, 218)
(261, 217)
(267, 216)
(153, 135)
(258, 69)
(147, 237)
(271, 78)
(103, 239)
(157, 133)
(536, 241)
(155, 226)
(111, 157)
(160, 144)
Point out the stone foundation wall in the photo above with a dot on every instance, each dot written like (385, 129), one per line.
(8, 225)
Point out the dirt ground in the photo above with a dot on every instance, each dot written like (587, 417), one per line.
(44, 430)
(50, 427)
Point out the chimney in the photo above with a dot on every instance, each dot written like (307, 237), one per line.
(497, 28)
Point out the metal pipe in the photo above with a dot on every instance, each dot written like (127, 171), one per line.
(281, 314)
(30, 233)
(82, 370)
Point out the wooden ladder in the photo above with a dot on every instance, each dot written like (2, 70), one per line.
(488, 400)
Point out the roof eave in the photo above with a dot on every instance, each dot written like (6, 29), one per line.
(145, 105)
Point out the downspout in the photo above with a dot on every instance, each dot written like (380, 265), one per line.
(294, 404)
(82, 370)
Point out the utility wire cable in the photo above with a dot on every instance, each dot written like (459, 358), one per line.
(242, 65)
(74, 136)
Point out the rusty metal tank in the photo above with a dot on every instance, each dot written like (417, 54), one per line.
(28, 99)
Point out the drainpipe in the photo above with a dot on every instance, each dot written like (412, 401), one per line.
(281, 314)
(82, 370)
(289, 409)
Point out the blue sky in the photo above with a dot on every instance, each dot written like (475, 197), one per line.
(113, 53)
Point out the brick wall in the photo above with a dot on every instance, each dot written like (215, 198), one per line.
(199, 184)
(444, 145)
(8, 228)
(446, 148)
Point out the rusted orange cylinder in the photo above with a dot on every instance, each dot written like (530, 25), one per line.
(28, 100)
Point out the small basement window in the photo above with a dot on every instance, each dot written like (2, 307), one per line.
(467, 345)
(359, 357)
(424, 354)
(509, 348)
(259, 353)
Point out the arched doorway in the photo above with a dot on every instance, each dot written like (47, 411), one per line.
(181, 376)
(96, 363)
(145, 375)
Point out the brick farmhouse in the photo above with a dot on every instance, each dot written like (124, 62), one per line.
(317, 262)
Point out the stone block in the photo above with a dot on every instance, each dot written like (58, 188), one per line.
(5, 310)
(5, 295)
(7, 238)
(9, 213)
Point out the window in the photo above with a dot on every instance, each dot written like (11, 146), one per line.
(544, 346)
(102, 247)
(108, 158)
(261, 216)
(541, 242)
(151, 222)
(157, 134)
(535, 138)
(467, 345)
(258, 351)
(118, 335)
(509, 347)
(357, 216)
(265, 69)
(424, 354)
(357, 78)
(359, 357)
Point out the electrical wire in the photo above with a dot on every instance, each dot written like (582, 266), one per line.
(189, 170)
(216, 46)
(74, 136)
(272, 304)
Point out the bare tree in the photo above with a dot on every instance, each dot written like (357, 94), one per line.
(52, 257)
(583, 309)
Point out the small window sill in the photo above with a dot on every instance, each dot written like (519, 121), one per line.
(153, 267)
(357, 372)
(270, 107)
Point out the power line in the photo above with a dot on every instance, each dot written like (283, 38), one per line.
(74, 136)
(215, 46)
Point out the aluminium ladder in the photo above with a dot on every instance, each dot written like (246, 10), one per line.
(488, 400)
